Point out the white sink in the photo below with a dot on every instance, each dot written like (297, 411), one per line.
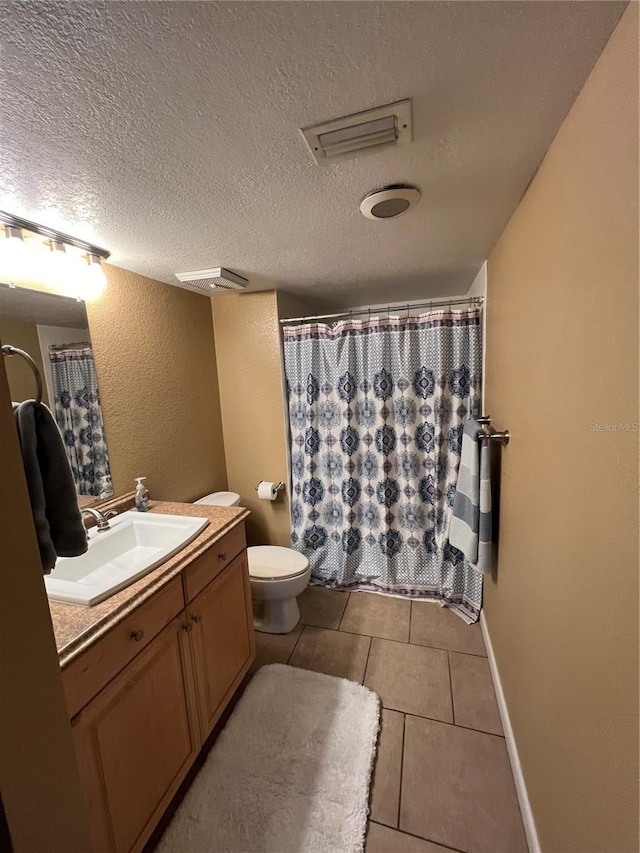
(136, 543)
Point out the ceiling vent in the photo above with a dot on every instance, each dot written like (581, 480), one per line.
(217, 280)
(389, 202)
(347, 137)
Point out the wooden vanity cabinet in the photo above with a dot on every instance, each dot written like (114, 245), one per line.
(137, 738)
(222, 640)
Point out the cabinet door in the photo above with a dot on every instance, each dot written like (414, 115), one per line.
(223, 639)
(136, 740)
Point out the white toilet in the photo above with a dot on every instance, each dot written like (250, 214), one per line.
(277, 576)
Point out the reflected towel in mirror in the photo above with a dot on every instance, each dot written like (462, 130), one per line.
(52, 491)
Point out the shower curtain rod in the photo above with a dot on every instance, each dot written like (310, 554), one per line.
(409, 306)
(73, 345)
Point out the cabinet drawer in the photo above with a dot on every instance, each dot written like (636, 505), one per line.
(87, 675)
(213, 561)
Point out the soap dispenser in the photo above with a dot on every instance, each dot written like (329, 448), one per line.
(142, 495)
(106, 489)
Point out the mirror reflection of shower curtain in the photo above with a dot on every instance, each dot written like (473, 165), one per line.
(79, 417)
(376, 412)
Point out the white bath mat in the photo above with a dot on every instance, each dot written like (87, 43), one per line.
(289, 773)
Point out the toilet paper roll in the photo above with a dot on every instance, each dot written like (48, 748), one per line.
(267, 491)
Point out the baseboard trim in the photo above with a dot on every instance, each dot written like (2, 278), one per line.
(512, 749)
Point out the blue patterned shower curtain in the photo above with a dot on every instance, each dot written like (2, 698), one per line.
(376, 412)
(79, 417)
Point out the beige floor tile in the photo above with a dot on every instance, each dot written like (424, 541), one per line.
(412, 679)
(377, 616)
(385, 784)
(275, 648)
(381, 839)
(332, 652)
(432, 625)
(474, 699)
(322, 607)
(457, 789)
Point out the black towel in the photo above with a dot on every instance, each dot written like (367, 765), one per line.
(52, 491)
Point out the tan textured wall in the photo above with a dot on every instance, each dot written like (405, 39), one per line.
(155, 359)
(38, 777)
(563, 354)
(249, 370)
(20, 376)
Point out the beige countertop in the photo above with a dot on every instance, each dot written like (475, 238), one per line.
(76, 627)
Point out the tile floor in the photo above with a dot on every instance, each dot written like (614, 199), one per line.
(442, 779)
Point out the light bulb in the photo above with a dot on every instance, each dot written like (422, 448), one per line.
(13, 255)
(58, 270)
(94, 280)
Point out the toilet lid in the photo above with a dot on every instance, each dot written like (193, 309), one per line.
(274, 561)
(219, 499)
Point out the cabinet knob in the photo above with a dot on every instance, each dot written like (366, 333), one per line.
(137, 635)
(188, 627)
(222, 556)
(196, 618)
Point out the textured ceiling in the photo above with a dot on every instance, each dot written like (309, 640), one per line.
(168, 132)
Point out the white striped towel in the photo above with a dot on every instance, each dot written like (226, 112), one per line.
(470, 527)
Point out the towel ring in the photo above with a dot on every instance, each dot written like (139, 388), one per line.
(7, 349)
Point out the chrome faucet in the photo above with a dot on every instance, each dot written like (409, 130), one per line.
(102, 520)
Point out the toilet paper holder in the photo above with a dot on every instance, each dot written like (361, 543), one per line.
(279, 486)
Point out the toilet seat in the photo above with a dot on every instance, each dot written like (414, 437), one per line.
(273, 562)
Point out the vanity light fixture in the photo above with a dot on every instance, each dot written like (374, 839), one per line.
(9, 220)
(72, 266)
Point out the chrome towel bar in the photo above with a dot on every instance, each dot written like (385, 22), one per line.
(7, 349)
(491, 434)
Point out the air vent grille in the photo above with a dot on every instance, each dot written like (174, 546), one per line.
(217, 280)
(346, 137)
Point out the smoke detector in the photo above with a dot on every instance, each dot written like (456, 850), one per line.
(351, 135)
(217, 280)
(389, 202)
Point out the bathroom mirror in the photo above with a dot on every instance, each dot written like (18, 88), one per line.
(54, 331)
